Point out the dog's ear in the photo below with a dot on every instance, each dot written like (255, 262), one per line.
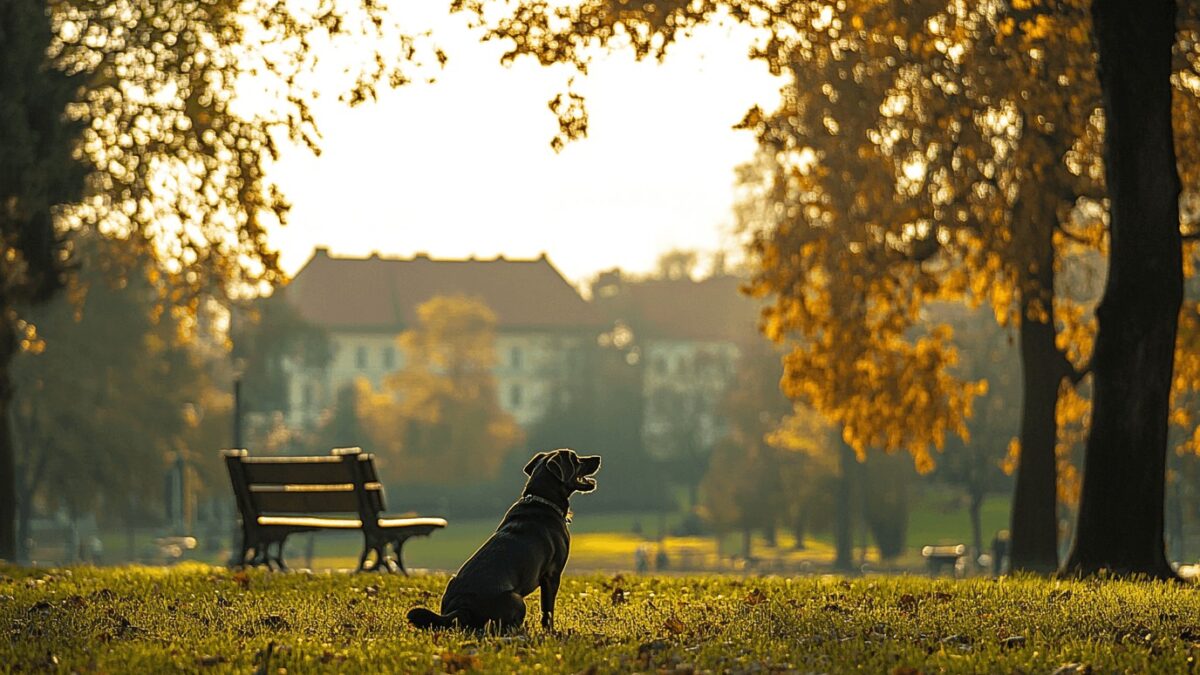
(533, 463)
(562, 465)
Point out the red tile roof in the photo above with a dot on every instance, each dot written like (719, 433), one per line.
(384, 293)
(712, 309)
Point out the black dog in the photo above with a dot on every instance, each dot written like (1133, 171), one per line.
(528, 550)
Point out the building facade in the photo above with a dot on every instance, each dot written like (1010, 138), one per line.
(364, 304)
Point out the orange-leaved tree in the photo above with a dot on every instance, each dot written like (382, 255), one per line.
(438, 419)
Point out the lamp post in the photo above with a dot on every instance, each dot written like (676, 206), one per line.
(235, 531)
(237, 408)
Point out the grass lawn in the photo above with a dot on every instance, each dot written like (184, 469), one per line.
(199, 618)
(606, 541)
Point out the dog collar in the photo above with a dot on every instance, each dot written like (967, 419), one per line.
(530, 499)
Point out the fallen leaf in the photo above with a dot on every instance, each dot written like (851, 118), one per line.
(674, 625)
(241, 579)
(209, 660)
(755, 597)
(454, 663)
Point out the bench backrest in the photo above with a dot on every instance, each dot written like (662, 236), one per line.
(342, 482)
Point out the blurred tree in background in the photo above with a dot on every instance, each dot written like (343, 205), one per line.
(269, 337)
(744, 488)
(143, 92)
(597, 408)
(107, 399)
(39, 173)
(438, 419)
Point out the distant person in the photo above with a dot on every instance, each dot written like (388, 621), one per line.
(1000, 553)
(641, 559)
(661, 561)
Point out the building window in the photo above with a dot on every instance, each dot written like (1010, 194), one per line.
(514, 396)
(389, 357)
(514, 358)
(360, 358)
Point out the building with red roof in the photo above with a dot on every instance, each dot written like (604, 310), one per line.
(365, 303)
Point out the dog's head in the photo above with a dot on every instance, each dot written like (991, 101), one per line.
(573, 472)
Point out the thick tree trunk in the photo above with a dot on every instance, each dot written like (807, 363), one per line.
(8, 463)
(1034, 524)
(1120, 526)
(842, 530)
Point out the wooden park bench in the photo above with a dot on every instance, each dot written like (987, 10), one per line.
(281, 496)
(939, 557)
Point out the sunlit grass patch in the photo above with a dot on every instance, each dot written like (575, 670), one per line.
(205, 618)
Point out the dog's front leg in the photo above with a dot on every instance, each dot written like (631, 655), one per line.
(549, 593)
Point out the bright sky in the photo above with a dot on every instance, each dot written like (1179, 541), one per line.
(464, 166)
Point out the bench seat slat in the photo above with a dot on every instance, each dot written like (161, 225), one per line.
(388, 523)
(347, 523)
(316, 523)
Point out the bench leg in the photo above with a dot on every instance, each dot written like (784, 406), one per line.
(377, 544)
(259, 555)
(362, 559)
(237, 560)
(278, 559)
(398, 547)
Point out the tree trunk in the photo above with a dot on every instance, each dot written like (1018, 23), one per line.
(842, 530)
(25, 508)
(24, 527)
(864, 527)
(800, 529)
(747, 537)
(1120, 526)
(975, 508)
(1034, 524)
(8, 463)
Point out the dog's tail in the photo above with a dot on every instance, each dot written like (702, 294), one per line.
(426, 618)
